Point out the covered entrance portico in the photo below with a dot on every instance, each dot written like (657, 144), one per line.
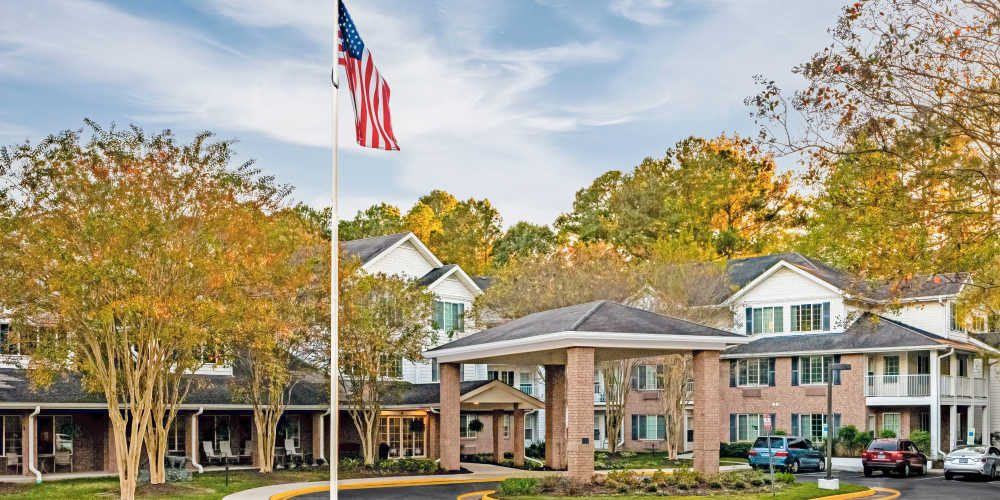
(569, 342)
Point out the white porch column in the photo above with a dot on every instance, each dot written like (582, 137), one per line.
(970, 422)
(985, 429)
(952, 427)
(935, 406)
(953, 362)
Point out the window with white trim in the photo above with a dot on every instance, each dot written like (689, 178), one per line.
(765, 319)
(752, 372)
(647, 377)
(649, 427)
(11, 434)
(749, 426)
(175, 436)
(812, 369)
(392, 367)
(891, 421)
(506, 426)
(449, 316)
(812, 425)
(505, 376)
(810, 317)
(527, 382)
(464, 432)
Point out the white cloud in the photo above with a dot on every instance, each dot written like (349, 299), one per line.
(649, 12)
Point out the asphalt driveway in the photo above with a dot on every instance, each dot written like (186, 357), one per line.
(439, 492)
(929, 487)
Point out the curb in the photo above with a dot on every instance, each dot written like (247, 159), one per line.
(285, 495)
(847, 496)
(485, 495)
(414, 482)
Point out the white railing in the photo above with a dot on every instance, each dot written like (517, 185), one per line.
(898, 385)
(599, 398)
(963, 387)
(947, 386)
(980, 387)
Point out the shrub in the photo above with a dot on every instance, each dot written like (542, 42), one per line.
(714, 484)
(848, 438)
(549, 484)
(780, 432)
(536, 450)
(518, 486)
(739, 449)
(659, 477)
(686, 479)
(627, 454)
(623, 478)
(887, 433)
(864, 439)
(651, 488)
(476, 425)
(756, 482)
(785, 477)
(350, 464)
(923, 441)
(739, 485)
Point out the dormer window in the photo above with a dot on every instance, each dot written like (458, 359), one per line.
(449, 316)
(765, 320)
(811, 317)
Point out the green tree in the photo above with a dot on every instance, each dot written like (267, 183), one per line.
(523, 239)
(722, 194)
(113, 263)
(468, 233)
(376, 220)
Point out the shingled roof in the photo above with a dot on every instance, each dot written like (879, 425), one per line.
(367, 249)
(597, 316)
(435, 274)
(868, 332)
(741, 272)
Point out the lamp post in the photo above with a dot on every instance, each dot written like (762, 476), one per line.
(834, 368)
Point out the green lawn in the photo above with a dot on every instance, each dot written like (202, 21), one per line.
(207, 486)
(654, 460)
(799, 491)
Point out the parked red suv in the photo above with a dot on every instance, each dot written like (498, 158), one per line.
(894, 455)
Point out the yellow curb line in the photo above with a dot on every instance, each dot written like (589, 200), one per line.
(484, 494)
(487, 495)
(847, 496)
(414, 482)
(895, 493)
(301, 491)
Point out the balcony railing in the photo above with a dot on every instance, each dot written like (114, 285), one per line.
(963, 387)
(599, 398)
(898, 385)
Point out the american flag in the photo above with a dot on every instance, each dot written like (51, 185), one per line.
(369, 91)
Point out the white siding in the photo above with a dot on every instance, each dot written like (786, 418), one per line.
(453, 290)
(930, 316)
(787, 288)
(404, 260)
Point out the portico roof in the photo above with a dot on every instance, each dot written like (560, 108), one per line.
(617, 330)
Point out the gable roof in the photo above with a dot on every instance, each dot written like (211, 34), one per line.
(743, 272)
(407, 394)
(367, 249)
(597, 316)
(868, 333)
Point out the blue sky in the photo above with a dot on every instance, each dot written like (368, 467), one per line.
(522, 102)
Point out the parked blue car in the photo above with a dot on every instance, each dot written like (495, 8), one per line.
(791, 454)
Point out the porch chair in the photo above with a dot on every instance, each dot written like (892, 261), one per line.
(210, 454)
(63, 458)
(296, 456)
(227, 453)
(13, 460)
(247, 451)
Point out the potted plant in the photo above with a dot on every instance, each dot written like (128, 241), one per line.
(417, 425)
(476, 425)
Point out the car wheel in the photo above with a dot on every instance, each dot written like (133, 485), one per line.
(949, 476)
(868, 472)
(794, 468)
(906, 470)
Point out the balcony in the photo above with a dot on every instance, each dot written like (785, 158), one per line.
(963, 387)
(914, 386)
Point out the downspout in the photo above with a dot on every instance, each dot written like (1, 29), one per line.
(194, 444)
(33, 453)
(322, 429)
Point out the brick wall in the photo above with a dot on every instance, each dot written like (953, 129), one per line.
(848, 397)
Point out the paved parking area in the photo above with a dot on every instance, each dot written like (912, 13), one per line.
(439, 492)
(929, 487)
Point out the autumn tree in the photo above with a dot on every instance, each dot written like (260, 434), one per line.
(383, 320)
(376, 220)
(111, 256)
(280, 312)
(905, 101)
(722, 194)
(677, 372)
(616, 379)
(523, 239)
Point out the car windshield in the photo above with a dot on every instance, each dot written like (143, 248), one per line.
(972, 450)
(761, 442)
(884, 445)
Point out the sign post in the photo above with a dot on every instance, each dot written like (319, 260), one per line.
(829, 483)
(770, 449)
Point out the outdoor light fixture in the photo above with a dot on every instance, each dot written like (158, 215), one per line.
(829, 483)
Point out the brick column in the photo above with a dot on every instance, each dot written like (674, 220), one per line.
(317, 437)
(433, 441)
(580, 414)
(706, 411)
(555, 416)
(450, 446)
(497, 434)
(518, 436)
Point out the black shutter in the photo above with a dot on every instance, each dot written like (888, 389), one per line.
(635, 427)
(749, 326)
(836, 373)
(732, 373)
(826, 316)
(732, 427)
(770, 372)
(635, 377)
(795, 370)
(774, 423)
(661, 428)
(795, 424)
(836, 423)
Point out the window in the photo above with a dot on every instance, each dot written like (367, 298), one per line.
(435, 370)
(11, 435)
(752, 372)
(392, 367)
(505, 376)
(7, 344)
(175, 436)
(526, 382)
(811, 317)
(812, 425)
(530, 422)
(506, 425)
(890, 421)
(54, 433)
(891, 369)
(291, 429)
(749, 426)
(404, 435)
(449, 316)
(647, 377)
(871, 423)
(765, 319)
(648, 427)
(464, 431)
(813, 369)
(220, 430)
(954, 316)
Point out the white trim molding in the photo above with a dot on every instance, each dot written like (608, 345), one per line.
(426, 252)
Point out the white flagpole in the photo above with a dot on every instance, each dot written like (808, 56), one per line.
(334, 256)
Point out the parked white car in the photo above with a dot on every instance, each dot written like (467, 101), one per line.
(973, 460)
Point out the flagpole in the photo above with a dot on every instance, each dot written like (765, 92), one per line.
(334, 264)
